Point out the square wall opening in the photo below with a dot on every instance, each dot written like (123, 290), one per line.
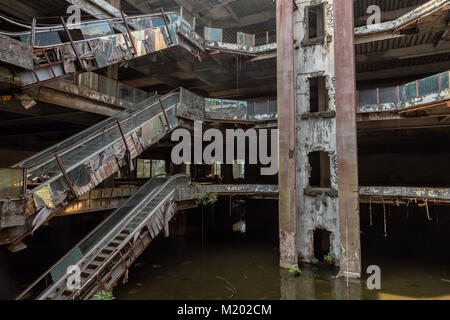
(315, 22)
(320, 173)
(318, 95)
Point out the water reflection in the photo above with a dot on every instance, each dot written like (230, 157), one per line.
(179, 269)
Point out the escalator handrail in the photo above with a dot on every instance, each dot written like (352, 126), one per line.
(131, 235)
(101, 130)
(89, 235)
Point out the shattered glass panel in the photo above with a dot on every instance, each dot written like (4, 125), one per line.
(42, 39)
(96, 30)
(213, 34)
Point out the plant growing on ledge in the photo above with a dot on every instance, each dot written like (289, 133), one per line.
(294, 271)
(314, 261)
(329, 258)
(104, 295)
(206, 198)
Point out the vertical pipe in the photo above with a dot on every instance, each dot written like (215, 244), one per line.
(347, 154)
(287, 135)
(33, 33)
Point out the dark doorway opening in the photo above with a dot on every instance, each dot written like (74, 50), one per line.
(321, 243)
(320, 176)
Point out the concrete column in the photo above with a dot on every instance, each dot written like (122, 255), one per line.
(287, 138)
(347, 156)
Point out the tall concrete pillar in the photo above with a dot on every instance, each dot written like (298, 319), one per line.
(325, 107)
(347, 156)
(286, 125)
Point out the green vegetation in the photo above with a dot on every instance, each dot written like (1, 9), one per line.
(329, 258)
(104, 295)
(206, 198)
(295, 271)
(314, 261)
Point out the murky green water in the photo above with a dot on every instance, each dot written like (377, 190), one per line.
(243, 268)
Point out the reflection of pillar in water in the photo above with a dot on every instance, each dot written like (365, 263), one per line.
(287, 286)
(343, 290)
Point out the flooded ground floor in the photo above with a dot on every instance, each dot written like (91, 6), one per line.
(204, 259)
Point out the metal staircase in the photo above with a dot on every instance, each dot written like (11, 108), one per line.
(107, 252)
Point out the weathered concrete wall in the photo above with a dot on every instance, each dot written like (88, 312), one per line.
(318, 133)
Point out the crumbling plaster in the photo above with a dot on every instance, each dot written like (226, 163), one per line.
(314, 58)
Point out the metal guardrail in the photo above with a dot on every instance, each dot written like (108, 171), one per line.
(102, 251)
(415, 89)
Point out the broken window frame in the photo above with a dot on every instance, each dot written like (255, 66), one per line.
(326, 95)
(324, 181)
(319, 38)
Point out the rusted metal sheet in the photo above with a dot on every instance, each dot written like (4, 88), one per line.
(347, 156)
(287, 133)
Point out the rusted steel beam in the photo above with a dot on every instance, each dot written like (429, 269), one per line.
(167, 26)
(287, 133)
(128, 32)
(165, 115)
(123, 136)
(347, 155)
(66, 177)
(74, 47)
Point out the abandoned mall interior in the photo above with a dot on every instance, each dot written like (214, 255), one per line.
(353, 106)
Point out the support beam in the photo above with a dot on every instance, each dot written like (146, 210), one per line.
(287, 136)
(99, 9)
(347, 154)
